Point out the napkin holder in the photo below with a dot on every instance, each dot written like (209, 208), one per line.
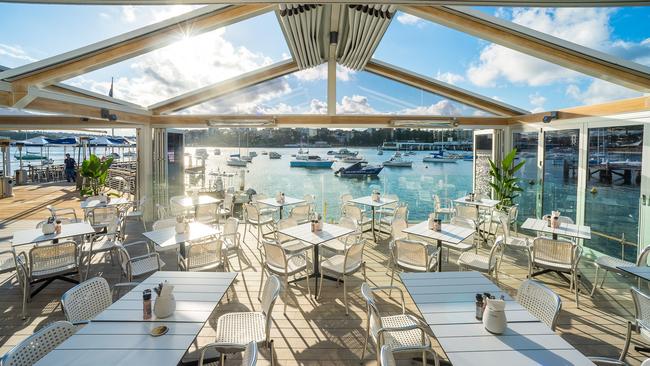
(48, 228)
(165, 304)
(494, 316)
(376, 196)
(180, 226)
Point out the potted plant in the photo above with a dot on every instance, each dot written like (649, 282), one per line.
(504, 183)
(95, 173)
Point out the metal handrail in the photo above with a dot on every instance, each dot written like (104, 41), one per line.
(622, 241)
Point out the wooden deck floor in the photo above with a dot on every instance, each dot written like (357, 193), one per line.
(315, 332)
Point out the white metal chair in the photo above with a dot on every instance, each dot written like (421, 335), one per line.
(344, 200)
(462, 246)
(640, 324)
(413, 256)
(401, 212)
(201, 255)
(265, 210)
(401, 332)
(63, 212)
(105, 243)
(389, 209)
(611, 264)
(34, 347)
(289, 244)
(50, 262)
(487, 264)
(86, 300)
(9, 263)
(556, 255)
(136, 212)
(141, 264)
(226, 208)
(310, 200)
(387, 358)
(507, 239)
(356, 213)
(338, 246)
(235, 330)
(301, 213)
(255, 218)
(540, 301)
(101, 216)
(248, 359)
(280, 263)
(440, 209)
(465, 211)
(343, 266)
(207, 214)
(231, 239)
(513, 214)
(162, 212)
(163, 224)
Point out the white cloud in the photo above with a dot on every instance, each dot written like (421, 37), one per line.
(356, 104)
(450, 77)
(14, 53)
(317, 107)
(600, 91)
(320, 73)
(409, 19)
(537, 101)
(128, 13)
(441, 108)
(359, 104)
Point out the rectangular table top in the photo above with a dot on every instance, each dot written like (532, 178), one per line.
(572, 230)
(119, 335)
(33, 236)
(303, 232)
(168, 238)
(368, 201)
(114, 201)
(638, 271)
(449, 233)
(288, 201)
(447, 303)
(189, 202)
(483, 202)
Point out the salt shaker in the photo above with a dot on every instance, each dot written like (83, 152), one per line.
(146, 304)
(479, 307)
(57, 227)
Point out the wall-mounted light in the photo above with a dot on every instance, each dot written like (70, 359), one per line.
(551, 116)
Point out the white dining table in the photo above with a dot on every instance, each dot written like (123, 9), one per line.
(168, 239)
(368, 201)
(119, 335)
(288, 201)
(477, 202)
(35, 236)
(446, 301)
(113, 201)
(449, 233)
(187, 202)
(565, 229)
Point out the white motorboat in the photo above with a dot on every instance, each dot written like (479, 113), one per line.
(235, 161)
(398, 161)
(274, 155)
(353, 159)
(439, 158)
(201, 153)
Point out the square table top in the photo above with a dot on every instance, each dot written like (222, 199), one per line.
(32, 236)
(368, 201)
(189, 202)
(572, 230)
(638, 271)
(303, 232)
(168, 238)
(114, 201)
(271, 201)
(446, 301)
(483, 202)
(449, 233)
(120, 336)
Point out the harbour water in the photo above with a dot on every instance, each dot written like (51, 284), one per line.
(414, 186)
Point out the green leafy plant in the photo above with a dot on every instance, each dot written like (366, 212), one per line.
(504, 183)
(95, 173)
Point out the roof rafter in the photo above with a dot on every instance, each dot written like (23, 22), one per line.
(225, 87)
(443, 89)
(538, 3)
(537, 44)
(127, 45)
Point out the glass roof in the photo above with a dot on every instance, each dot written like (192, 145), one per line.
(303, 92)
(32, 32)
(488, 69)
(192, 63)
(366, 93)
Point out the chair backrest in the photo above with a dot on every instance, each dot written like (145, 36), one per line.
(565, 220)
(643, 257)
(285, 224)
(348, 223)
(53, 257)
(206, 212)
(258, 197)
(464, 222)
(392, 197)
(513, 212)
(102, 214)
(250, 355)
(436, 203)
(270, 294)
(87, 299)
(228, 201)
(252, 213)
(203, 253)
(162, 211)
(230, 227)
(386, 358)
(465, 211)
(353, 256)
(374, 318)
(163, 224)
(540, 301)
(401, 212)
(411, 252)
(274, 254)
(7, 261)
(642, 312)
(505, 226)
(174, 207)
(345, 198)
(397, 229)
(34, 347)
(300, 212)
(64, 220)
(552, 251)
(354, 213)
(60, 212)
(309, 199)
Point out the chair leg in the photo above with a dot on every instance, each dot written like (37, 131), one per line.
(593, 289)
(245, 230)
(576, 288)
(259, 292)
(320, 285)
(272, 353)
(286, 293)
(424, 358)
(603, 281)
(392, 278)
(307, 282)
(365, 343)
(345, 293)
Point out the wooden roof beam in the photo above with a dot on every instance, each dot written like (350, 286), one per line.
(538, 3)
(128, 45)
(56, 122)
(443, 89)
(225, 87)
(537, 44)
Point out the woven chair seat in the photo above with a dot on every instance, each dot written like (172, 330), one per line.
(516, 242)
(403, 340)
(46, 272)
(335, 264)
(475, 261)
(145, 265)
(100, 246)
(553, 265)
(241, 328)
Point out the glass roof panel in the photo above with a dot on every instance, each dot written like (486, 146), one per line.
(303, 92)
(488, 69)
(192, 63)
(366, 93)
(32, 32)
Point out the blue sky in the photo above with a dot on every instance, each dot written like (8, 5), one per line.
(410, 42)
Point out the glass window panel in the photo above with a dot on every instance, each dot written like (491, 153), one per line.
(613, 188)
(526, 145)
(561, 172)
(483, 152)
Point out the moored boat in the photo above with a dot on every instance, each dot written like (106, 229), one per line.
(274, 155)
(439, 157)
(201, 153)
(217, 151)
(234, 160)
(398, 161)
(344, 153)
(310, 161)
(353, 159)
(359, 170)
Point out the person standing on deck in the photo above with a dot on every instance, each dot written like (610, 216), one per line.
(70, 169)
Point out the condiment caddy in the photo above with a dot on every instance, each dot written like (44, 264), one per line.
(491, 312)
